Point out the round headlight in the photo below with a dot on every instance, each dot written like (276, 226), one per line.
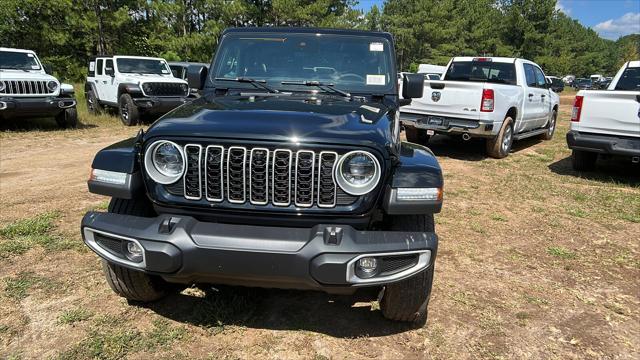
(164, 162)
(52, 85)
(185, 88)
(358, 172)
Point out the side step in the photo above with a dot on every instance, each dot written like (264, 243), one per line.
(529, 134)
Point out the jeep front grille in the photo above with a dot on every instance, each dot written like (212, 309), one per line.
(163, 89)
(261, 176)
(25, 87)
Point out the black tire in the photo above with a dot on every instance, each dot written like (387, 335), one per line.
(128, 111)
(93, 104)
(551, 127)
(68, 118)
(408, 300)
(416, 136)
(131, 284)
(500, 146)
(583, 160)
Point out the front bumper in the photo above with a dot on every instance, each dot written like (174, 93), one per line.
(604, 144)
(184, 250)
(450, 125)
(14, 107)
(159, 105)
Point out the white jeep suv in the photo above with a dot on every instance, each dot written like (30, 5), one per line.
(135, 85)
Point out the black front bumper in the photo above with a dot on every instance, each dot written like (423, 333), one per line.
(15, 107)
(322, 257)
(159, 105)
(604, 144)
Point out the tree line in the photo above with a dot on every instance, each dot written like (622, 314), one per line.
(67, 33)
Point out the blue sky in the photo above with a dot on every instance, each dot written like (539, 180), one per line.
(610, 18)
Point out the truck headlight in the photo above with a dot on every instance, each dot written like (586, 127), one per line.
(164, 162)
(185, 89)
(358, 172)
(52, 85)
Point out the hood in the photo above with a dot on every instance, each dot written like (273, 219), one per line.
(25, 75)
(137, 78)
(285, 119)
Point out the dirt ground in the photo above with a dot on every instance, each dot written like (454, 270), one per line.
(535, 261)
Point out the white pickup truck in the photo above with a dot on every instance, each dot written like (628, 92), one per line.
(607, 121)
(500, 99)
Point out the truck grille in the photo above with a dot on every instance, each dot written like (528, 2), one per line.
(25, 87)
(261, 176)
(163, 89)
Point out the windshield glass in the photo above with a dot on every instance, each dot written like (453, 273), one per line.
(142, 66)
(18, 61)
(482, 71)
(630, 80)
(351, 63)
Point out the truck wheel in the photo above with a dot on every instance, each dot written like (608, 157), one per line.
(128, 111)
(416, 136)
(583, 160)
(67, 118)
(93, 105)
(551, 128)
(407, 300)
(499, 146)
(133, 285)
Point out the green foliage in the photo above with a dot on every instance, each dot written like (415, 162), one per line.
(67, 33)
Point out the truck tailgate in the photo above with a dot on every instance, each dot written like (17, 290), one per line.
(458, 99)
(610, 112)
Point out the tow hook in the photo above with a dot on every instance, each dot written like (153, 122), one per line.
(466, 136)
(3, 105)
(64, 104)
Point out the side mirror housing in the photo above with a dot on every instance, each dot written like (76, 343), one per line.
(412, 86)
(109, 71)
(197, 76)
(48, 68)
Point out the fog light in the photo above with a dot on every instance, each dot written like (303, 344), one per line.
(134, 251)
(367, 267)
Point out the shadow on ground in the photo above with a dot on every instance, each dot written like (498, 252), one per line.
(471, 150)
(614, 169)
(278, 310)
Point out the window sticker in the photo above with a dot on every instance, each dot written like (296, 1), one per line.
(165, 71)
(92, 66)
(376, 46)
(376, 79)
(35, 67)
(30, 55)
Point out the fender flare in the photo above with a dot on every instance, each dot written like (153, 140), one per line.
(129, 88)
(90, 86)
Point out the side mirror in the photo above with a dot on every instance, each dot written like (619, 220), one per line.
(412, 86)
(48, 68)
(109, 71)
(196, 76)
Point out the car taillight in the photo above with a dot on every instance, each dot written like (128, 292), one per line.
(577, 108)
(486, 105)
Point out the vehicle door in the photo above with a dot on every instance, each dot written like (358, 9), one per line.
(111, 90)
(101, 79)
(545, 98)
(532, 109)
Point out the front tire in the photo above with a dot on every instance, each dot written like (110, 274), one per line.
(93, 104)
(68, 118)
(583, 160)
(500, 146)
(128, 111)
(407, 300)
(551, 128)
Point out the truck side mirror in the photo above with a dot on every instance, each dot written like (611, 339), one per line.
(412, 86)
(109, 71)
(196, 76)
(48, 68)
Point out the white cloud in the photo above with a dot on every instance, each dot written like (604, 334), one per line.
(628, 23)
(562, 8)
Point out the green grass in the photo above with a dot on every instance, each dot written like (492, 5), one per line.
(18, 287)
(561, 252)
(74, 315)
(22, 235)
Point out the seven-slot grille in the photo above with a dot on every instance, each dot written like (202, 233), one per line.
(260, 176)
(26, 87)
(163, 89)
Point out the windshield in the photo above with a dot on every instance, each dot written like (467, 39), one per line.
(142, 66)
(350, 63)
(18, 61)
(482, 71)
(630, 80)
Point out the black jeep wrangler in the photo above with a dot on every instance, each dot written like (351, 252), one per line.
(288, 172)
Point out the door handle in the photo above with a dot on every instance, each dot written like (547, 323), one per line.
(543, 95)
(530, 95)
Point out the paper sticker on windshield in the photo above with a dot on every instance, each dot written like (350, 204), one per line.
(165, 71)
(376, 46)
(92, 66)
(375, 79)
(35, 67)
(30, 55)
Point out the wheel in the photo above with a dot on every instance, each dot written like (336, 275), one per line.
(128, 111)
(583, 160)
(67, 118)
(93, 105)
(407, 300)
(499, 146)
(551, 128)
(416, 136)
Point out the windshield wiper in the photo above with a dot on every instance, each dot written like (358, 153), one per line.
(254, 82)
(321, 85)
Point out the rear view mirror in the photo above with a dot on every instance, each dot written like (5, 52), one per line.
(412, 86)
(48, 68)
(196, 76)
